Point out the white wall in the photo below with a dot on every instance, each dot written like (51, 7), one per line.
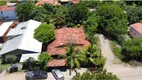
(134, 33)
(8, 14)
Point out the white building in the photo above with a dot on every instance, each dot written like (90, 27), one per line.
(4, 29)
(21, 41)
(8, 12)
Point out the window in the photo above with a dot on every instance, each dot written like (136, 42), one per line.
(134, 33)
(1, 12)
(23, 28)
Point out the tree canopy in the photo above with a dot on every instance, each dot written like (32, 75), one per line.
(2, 3)
(38, 14)
(104, 75)
(24, 10)
(134, 13)
(45, 33)
(78, 13)
(91, 24)
(132, 49)
(112, 21)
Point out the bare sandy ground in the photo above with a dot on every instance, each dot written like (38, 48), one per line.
(122, 71)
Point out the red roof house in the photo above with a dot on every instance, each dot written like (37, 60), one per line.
(136, 30)
(65, 36)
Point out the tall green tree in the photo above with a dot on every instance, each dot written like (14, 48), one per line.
(60, 16)
(112, 21)
(24, 10)
(134, 13)
(91, 24)
(78, 13)
(104, 75)
(38, 14)
(45, 33)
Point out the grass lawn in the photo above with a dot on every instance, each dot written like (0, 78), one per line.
(4, 66)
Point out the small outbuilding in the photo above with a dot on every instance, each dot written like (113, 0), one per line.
(136, 30)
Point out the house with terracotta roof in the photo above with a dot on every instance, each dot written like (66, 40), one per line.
(136, 30)
(63, 37)
(8, 11)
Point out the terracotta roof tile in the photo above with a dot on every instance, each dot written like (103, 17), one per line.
(75, 1)
(137, 27)
(57, 63)
(5, 8)
(41, 2)
(65, 36)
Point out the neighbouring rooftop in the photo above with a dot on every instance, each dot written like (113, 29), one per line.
(5, 8)
(137, 27)
(41, 2)
(4, 26)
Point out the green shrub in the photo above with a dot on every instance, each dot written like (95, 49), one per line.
(10, 58)
(104, 75)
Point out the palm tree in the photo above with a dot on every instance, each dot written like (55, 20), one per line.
(29, 63)
(93, 57)
(74, 58)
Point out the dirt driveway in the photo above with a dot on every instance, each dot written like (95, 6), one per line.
(122, 71)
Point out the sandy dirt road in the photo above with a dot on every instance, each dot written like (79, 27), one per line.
(122, 71)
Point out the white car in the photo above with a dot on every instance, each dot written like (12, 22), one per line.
(57, 74)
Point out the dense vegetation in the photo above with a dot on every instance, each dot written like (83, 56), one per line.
(95, 76)
(45, 33)
(109, 18)
(2, 3)
(132, 50)
(40, 64)
(24, 11)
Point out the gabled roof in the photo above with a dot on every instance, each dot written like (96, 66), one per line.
(4, 27)
(24, 41)
(65, 36)
(137, 27)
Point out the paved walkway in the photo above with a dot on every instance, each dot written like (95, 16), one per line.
(122, 71)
